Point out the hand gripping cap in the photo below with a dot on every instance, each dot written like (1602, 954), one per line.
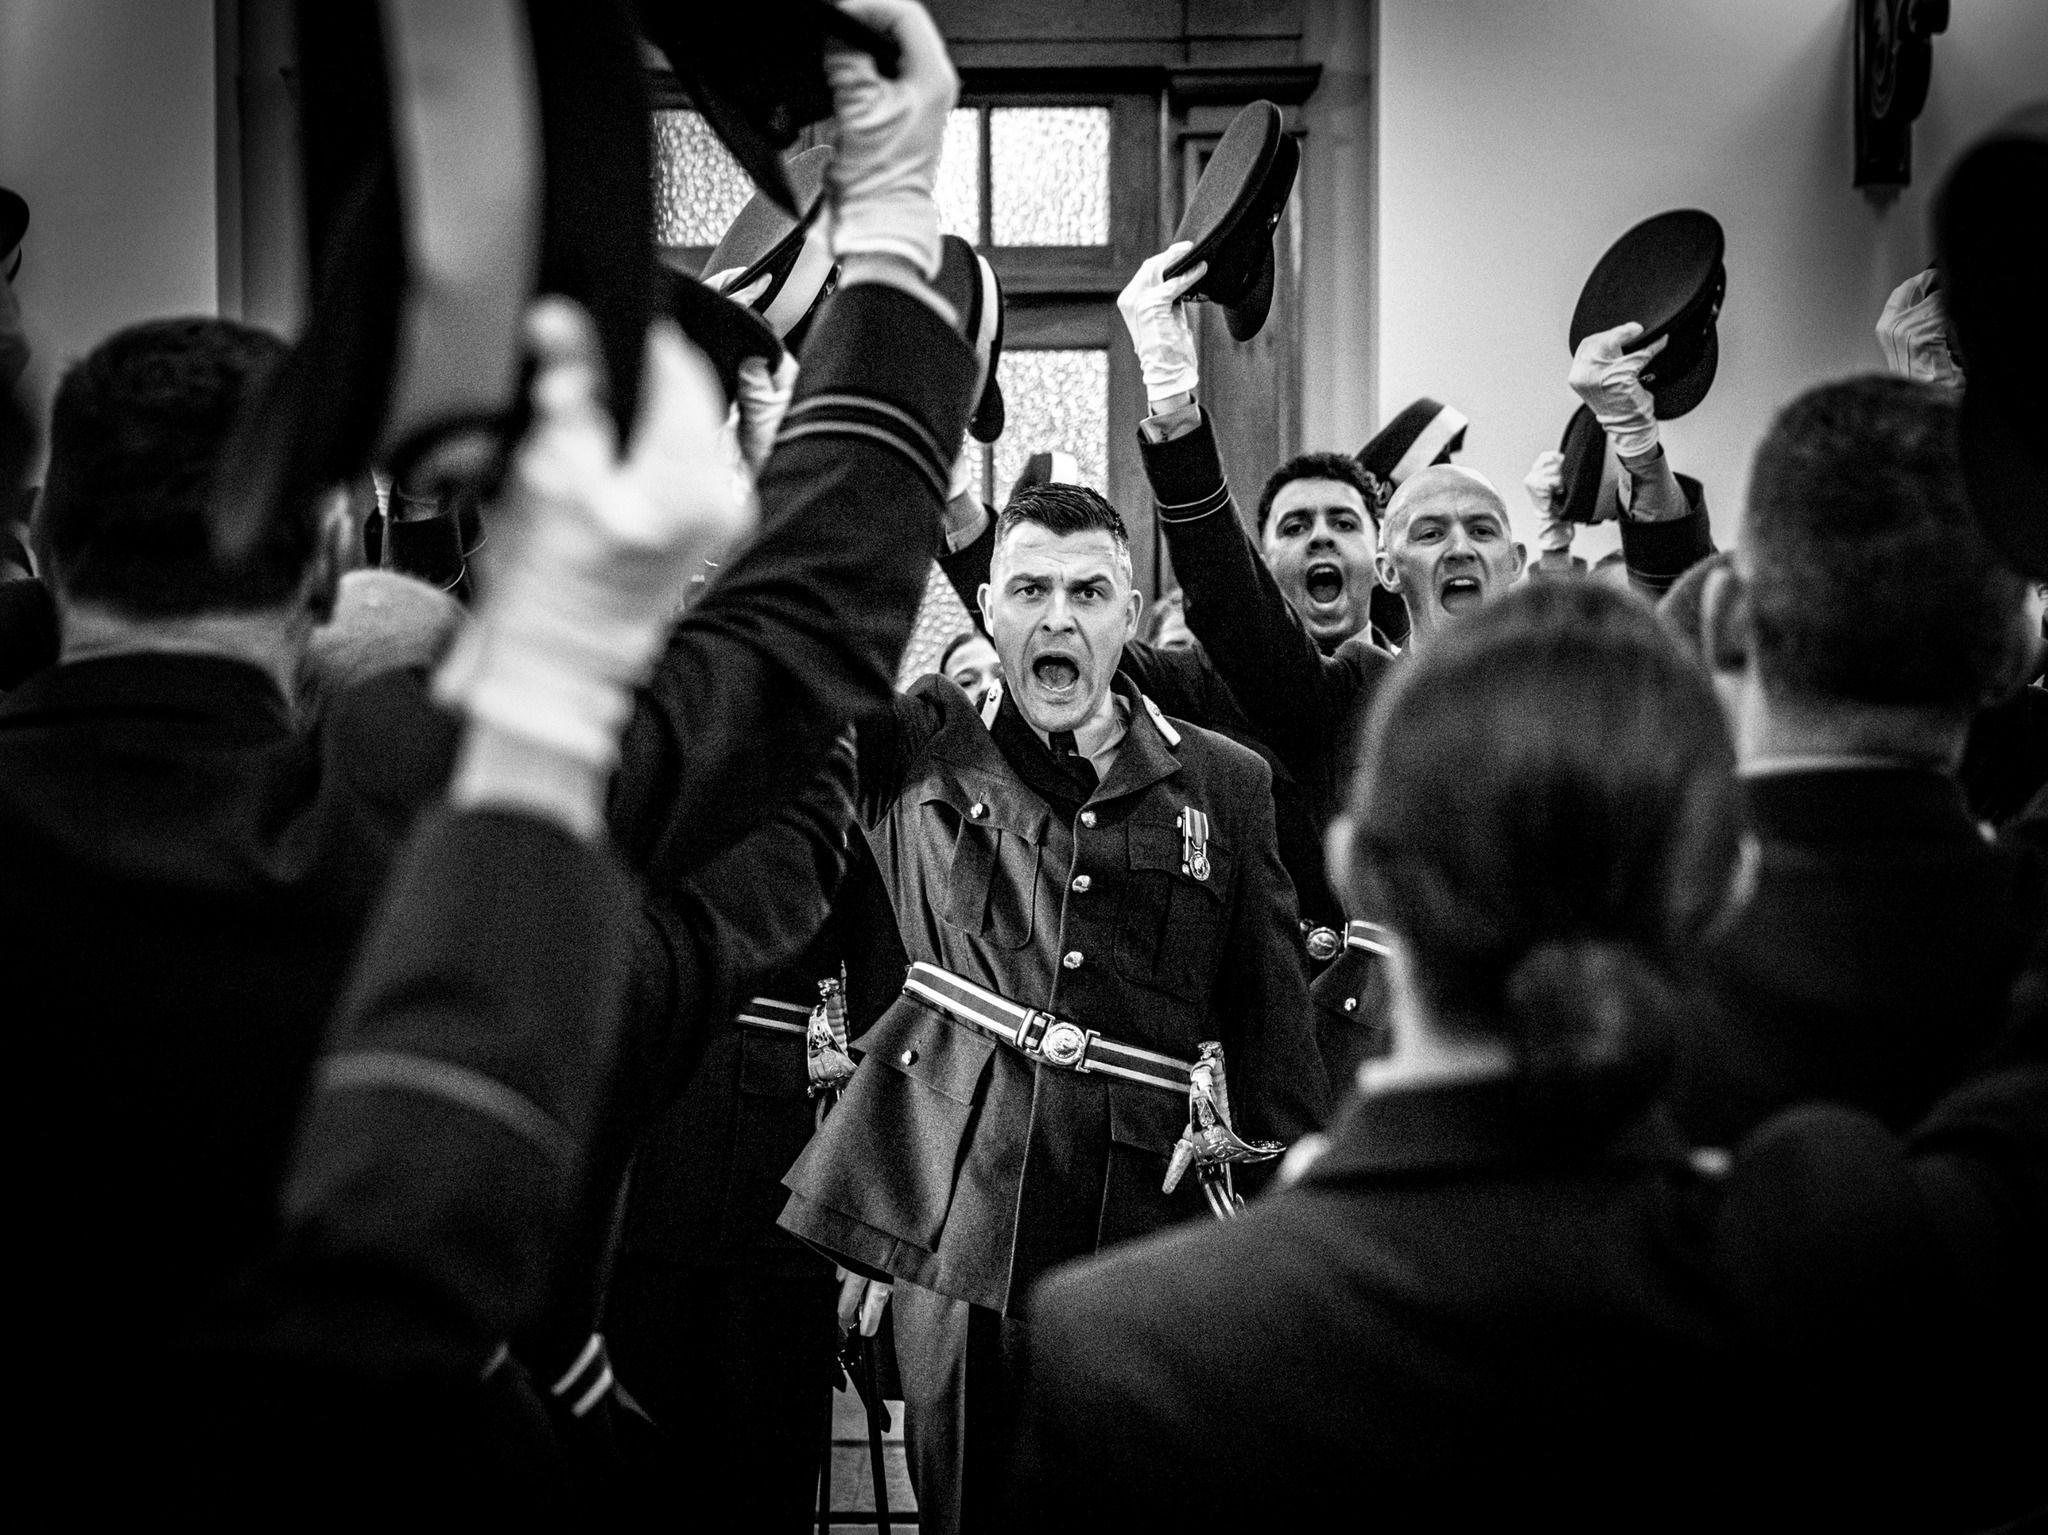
(1230, 218)
(1666, 274)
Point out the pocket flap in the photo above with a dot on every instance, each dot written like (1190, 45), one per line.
(929, 1048)
(1158, 848)
(995, 805)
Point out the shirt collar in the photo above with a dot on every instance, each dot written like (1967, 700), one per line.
(1098, 739)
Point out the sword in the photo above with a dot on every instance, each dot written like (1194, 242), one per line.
(1209, 1144)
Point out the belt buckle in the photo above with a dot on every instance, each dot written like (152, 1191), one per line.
(1066, 1045)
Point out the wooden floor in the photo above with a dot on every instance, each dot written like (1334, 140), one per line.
(853, 1488)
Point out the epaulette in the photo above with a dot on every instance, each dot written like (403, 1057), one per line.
(1160, 720)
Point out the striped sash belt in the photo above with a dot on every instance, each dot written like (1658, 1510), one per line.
(1041, 1035)
(778, 1017)
(1369, 936)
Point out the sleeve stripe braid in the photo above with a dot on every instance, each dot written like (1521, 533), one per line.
(839, 427)
(485, 1095)
(863, 404)
(1203, 506)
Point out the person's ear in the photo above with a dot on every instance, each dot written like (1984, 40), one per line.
(1137, 609)
(988, 618)
(1724, 621)
(1383, 569)
(1521, 560)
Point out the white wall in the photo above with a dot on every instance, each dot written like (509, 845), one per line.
(1338, 408)
(1517, 138)
(107, 127)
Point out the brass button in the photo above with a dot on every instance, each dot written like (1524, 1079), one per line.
(1351, 1004)
(1081, 884)
(1087, 818)
(977, 810)
(1071, 959)
(909, 1057)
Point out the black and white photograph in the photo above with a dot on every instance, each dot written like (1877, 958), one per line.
(1026, 767)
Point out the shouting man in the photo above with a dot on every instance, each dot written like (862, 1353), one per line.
(1088, 892)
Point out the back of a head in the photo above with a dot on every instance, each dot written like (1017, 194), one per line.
(1869, 581)
(1545, 813)
(136, 430)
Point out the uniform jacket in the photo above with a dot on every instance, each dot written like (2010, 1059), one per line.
(958, 1163)
(1441, 1326)
(438, 1163)
(1872, 961)
(184, 868)
(1354, 1020)
(707, 1180)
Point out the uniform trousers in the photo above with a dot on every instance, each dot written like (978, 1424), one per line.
(736, 1369)
(958, 1408)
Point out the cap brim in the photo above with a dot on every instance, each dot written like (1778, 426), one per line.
(1584, 449)
(1677, 394)
(991, 415)
(1247, 317)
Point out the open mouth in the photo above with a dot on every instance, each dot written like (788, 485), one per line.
(1056, 674)
(1324, 584)
(1461, 592)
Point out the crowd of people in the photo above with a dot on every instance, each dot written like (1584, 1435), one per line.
(1432, 1033)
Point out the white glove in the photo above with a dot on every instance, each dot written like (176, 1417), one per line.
(890, 134)
(1609, 378)
(1913, 336)
(1158, 322)
(964, 516)
(590, 552)
(763, 399)
(1545, 484)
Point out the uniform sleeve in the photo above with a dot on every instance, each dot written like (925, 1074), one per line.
(1278, 1089)
(802, 631)
(1658, 553)
(1295, 697)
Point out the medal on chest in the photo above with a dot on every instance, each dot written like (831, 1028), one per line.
(1194, 842)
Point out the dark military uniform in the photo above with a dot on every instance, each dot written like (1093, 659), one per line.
(966, 1167)
(1351, 1003)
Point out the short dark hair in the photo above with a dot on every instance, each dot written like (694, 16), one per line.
(136, 434)
(1062, 508)
(964, 637)
(1341, 467)
(1545, 813)
(1868, 579)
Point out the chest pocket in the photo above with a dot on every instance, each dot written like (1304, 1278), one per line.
(988, 879)
(1171, 927)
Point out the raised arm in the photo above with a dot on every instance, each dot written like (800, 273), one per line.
(801, 631)
(1663, 516)
(1294, 697)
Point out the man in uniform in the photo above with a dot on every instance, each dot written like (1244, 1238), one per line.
(1088, 891)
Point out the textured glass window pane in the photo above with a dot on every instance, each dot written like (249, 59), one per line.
(699, 187)
(1050, 172)
(1054, 400)
(939, 617)
(959, 188)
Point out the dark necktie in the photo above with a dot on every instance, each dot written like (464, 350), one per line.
(1078, 769)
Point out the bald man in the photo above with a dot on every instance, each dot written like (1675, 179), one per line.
(1445, 546)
